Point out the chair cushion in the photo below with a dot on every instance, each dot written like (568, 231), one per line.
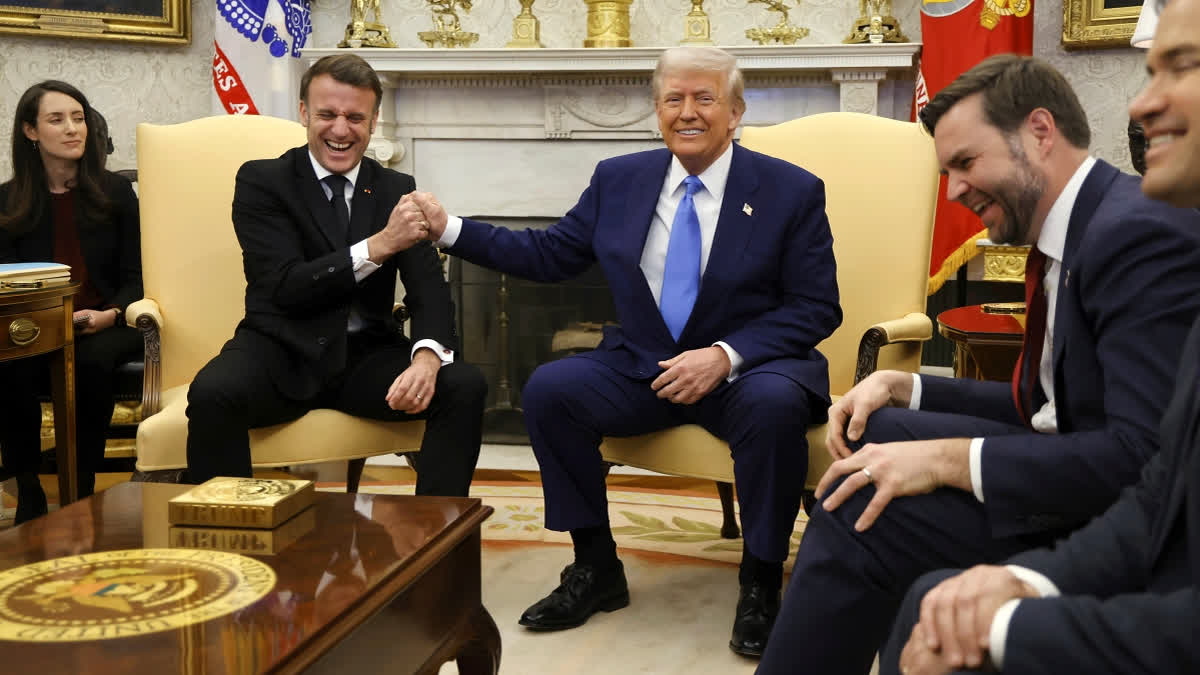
(322, 435)
(689, 450)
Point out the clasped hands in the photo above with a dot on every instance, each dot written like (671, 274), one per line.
(954, 630)
(416, 217)
(897, 469)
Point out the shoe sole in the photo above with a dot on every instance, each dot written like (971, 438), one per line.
(744, 651)
(610, 605)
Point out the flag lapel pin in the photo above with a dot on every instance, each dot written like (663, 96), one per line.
(747, 209)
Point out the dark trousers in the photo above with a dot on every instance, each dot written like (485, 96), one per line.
(234, 393)
(97, 358)
(906, 620)
(570, 404)
(846, 586)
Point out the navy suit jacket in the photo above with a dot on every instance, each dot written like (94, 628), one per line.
(1128, 291)
(300, 281)
(769, 289)
(1129, 579)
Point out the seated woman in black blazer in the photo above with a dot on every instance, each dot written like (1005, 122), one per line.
(62, 206)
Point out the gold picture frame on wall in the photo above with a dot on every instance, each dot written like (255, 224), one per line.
(1093, 24)
(144, 21)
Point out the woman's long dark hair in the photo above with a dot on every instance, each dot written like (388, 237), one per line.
(28, 192)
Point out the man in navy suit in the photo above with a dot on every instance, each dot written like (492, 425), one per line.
(1120, 595)
(977, 471)
(721, 267)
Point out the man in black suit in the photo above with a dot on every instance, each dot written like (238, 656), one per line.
(983, 470)
(322, 235)
(1120, 595)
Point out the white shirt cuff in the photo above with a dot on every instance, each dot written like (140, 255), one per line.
(735, 360)
(998, 633)
(446, 355)
(453, 229)
(1040, 582)
(976, 461)
(914, 403)
(360, 260)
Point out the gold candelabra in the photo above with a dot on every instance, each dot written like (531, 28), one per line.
(363, 33)
(783, 32)
(875, 24)
(447, 30)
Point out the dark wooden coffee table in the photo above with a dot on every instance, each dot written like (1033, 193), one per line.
(376, 584)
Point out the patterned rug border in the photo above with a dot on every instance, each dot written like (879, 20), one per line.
(646, 520)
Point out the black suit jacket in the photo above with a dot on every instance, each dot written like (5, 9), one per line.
(1129, 578)
(300, 283)
(111, 249)
(1128, 291)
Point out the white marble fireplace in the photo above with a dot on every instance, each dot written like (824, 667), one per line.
(517, 132)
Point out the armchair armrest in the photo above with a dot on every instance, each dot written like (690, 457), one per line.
(914, 327)
(146, 316)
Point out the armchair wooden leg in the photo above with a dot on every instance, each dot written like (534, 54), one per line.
(354, 471)
(729, 526)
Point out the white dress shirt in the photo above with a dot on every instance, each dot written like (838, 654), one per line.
(654, 255)
(360, 260)
(1051, 241)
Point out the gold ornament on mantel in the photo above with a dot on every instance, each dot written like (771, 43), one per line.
(527, 30)
(363, 33)
(608, 23)
(447, 30)
(696, 30)
(875, 24)
(783, 32)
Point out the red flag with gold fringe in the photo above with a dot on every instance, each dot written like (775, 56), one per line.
(957, 34)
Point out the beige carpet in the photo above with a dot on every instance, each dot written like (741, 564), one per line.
(682, 579)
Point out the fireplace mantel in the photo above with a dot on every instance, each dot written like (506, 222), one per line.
(461, 120)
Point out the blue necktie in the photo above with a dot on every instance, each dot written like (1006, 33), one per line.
(681, 273)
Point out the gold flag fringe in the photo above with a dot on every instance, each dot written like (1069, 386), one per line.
(967, 250)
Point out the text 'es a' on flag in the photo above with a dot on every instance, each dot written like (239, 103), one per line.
(256, 56)
(957, 34)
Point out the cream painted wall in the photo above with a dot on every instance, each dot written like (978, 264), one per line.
(163, 84)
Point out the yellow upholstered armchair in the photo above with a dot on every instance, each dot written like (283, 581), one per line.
(195, 290)
(881, 180)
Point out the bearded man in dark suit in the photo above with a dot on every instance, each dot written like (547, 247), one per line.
(322, 235)
(1121, 594)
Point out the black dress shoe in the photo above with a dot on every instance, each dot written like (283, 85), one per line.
(583, 590)
(757, 608)
(31, 499)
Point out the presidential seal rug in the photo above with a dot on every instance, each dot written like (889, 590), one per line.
(114, 594)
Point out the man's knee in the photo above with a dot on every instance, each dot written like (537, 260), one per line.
(546, 388)
(464, 382)
(770, 401)
(886, 425)
(216, 390)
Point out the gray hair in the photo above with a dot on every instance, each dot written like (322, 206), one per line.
(693, 59)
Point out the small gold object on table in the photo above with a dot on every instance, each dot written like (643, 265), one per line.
(875, 24)
(696, 30)
(363, 33)
(258, 503)
(608, 23)
(447, 31)
(527, 30)
(782, 32)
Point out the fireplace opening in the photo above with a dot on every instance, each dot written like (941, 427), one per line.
(510, 326)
